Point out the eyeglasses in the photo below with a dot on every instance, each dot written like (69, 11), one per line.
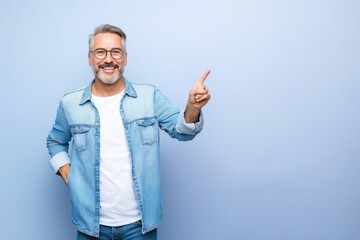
(100, 53)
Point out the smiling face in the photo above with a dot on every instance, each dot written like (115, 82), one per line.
(107, 70)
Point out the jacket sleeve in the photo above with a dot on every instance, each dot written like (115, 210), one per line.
(189, 128)
(58, 140)
(173, 121)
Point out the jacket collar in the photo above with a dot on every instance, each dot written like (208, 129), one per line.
(129, 90)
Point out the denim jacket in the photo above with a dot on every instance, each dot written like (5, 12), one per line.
(144, 109)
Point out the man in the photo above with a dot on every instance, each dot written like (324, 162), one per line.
(113, 168)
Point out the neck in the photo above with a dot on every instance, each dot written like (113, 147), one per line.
(101, 89)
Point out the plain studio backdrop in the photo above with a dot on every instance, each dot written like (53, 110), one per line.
(279, 154)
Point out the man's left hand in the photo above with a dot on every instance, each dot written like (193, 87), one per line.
(198, 98)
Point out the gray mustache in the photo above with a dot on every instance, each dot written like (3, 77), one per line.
(109, 65)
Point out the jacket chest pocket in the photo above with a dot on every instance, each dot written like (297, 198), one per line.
(80, 136)
(148, 130)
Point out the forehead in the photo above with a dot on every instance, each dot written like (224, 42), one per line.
(107, 41)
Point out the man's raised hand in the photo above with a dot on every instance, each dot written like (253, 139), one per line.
(199, 96)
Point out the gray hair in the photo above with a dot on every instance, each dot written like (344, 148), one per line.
(107, 28)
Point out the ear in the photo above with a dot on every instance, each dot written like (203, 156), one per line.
(125, 59)
(89, 59)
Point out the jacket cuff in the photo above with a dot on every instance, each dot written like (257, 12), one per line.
(59, 160)
(189, 128)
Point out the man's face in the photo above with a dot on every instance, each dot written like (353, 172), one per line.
(107, 70)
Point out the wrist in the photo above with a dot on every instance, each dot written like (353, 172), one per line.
(191, 114)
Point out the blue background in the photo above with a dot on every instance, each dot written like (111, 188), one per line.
(279, 155)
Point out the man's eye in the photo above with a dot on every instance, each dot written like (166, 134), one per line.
(100, 52)
(117, 52)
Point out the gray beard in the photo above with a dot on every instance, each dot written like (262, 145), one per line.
(106, 81)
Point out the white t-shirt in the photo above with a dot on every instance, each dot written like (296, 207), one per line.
(118, 205)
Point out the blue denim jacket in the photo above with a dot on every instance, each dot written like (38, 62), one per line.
(144, 109)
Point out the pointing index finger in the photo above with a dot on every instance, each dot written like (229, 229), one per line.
(204, 76)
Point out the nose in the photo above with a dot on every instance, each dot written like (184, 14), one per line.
(108, 58)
